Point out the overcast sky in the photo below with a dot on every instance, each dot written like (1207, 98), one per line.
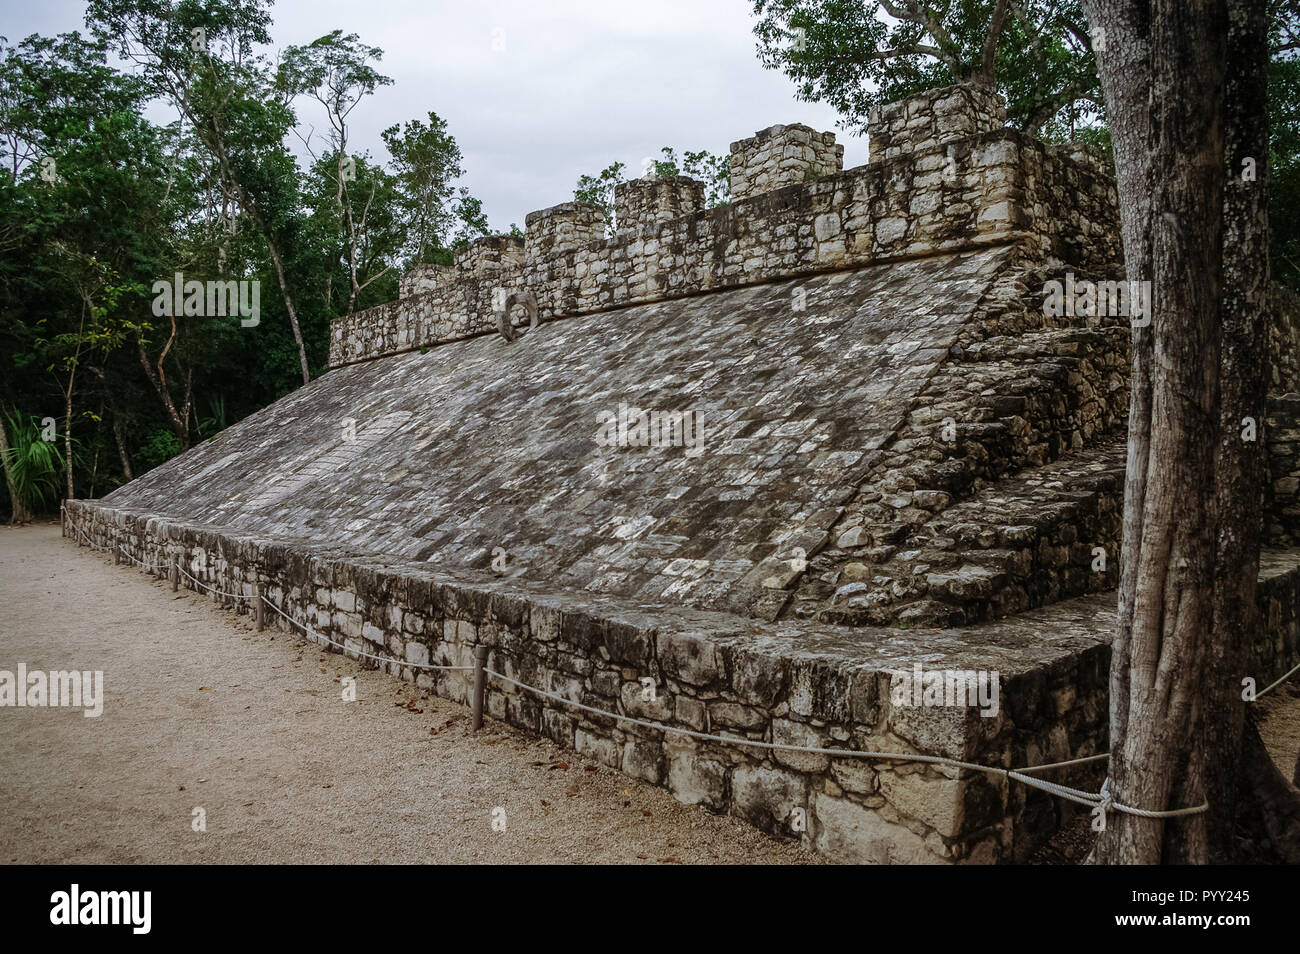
(579, 83)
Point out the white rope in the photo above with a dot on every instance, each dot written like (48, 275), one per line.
(151, 567)
(1278, 682)
(212, 589)
(1064, 791)
(89, 542)
(846, 753)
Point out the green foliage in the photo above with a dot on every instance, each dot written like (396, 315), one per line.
(714, 171)
(859, 54)
(1284, 145)
(101, 197)
(34, 464)
(160, 447)
(426, 163)
(599, 190)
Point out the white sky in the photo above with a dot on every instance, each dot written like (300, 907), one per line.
(579, 84)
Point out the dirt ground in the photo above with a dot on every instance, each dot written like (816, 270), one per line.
(202, 712)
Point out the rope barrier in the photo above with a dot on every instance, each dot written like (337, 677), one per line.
(1064, 791)
(1102, 800)
(1278, 682)
(212, 589)
(359, 652)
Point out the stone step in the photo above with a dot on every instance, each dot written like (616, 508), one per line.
(1047, 534)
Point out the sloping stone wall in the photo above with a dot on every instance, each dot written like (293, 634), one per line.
(793, 388)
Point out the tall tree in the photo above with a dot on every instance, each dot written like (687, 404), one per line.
(437, 213)
(1184, 83)
(859, 54)
(201, 57)
(335, 70)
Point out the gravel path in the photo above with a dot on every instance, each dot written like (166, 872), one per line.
(200, 711)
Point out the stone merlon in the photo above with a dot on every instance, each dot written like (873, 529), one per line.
(934, 118)
(782, 156)
(645, 202)
(562, 228)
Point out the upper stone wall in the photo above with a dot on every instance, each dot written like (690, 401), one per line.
(424, 278)
(1007, 188)
(561, 229)
(490, 255)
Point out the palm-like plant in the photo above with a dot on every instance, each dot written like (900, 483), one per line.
(33, 465)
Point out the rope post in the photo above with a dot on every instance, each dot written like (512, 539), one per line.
(480, 683)
(259, 612)
(117, 554)
(176, 576)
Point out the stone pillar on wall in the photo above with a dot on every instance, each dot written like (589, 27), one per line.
(781, 156)
(424, 278)
(645, 202)
(933, 118)
(562, 228)
(487, 257)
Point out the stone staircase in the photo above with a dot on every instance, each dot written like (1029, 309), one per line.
(998, 488)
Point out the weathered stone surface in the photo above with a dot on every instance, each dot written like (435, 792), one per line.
(767, 797)
(697, 780)
(853, 834)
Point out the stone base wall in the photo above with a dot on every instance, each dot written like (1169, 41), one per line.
(798, 684)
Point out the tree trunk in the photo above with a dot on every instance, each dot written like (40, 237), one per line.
(1123, 63)
(1185, 85)
(1166, 608)
(1239, 479)
(67, 432)
(121, 446)
(288, 305)
(159, 381)
(18, 512)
